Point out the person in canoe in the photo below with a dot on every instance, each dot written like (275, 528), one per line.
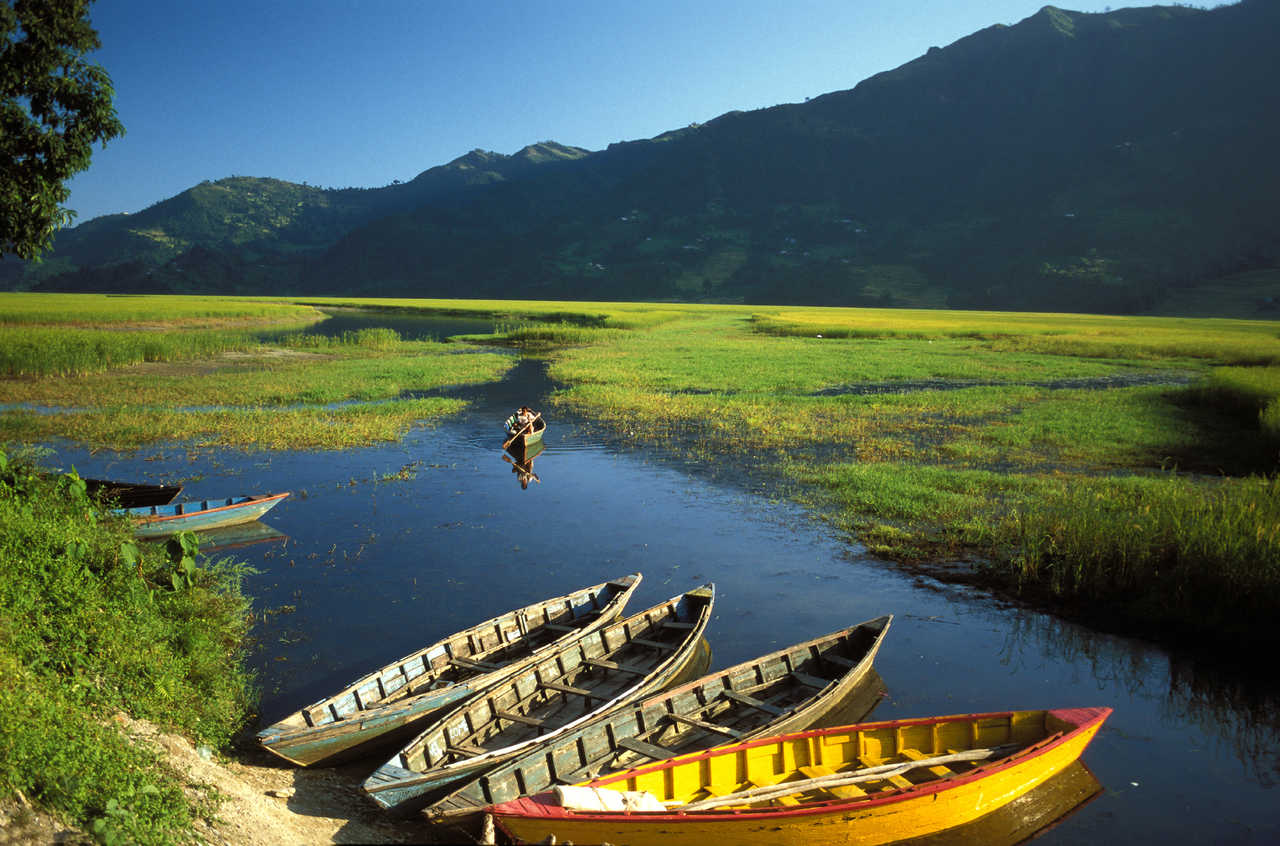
(521, 421)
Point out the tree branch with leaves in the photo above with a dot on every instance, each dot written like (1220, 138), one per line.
(54, 106)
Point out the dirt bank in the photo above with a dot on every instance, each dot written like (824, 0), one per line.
(263, 804)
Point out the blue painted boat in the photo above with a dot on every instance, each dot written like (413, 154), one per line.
(157, 521)
(388, 705)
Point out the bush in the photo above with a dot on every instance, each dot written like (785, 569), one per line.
(92, 624)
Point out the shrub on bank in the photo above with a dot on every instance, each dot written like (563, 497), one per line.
(92, 624)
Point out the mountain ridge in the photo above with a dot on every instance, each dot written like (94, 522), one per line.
(1098, 160)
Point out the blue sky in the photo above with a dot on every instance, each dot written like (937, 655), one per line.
(356, 94)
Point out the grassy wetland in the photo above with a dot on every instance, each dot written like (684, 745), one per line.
(215, 372)
(1119, 470)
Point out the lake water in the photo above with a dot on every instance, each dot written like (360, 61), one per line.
(383, 549)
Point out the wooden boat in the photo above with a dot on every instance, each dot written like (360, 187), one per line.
(783, 691)
(159, 520)
(521, 442)
(131, 494)
(867, 784)
(549, 696)
(1029, 816)
(391, 704)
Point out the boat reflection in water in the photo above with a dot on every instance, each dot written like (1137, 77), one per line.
(1026, 817)
(521, 461)
(236, 537)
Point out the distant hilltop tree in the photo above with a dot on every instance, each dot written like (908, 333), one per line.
(54, 106)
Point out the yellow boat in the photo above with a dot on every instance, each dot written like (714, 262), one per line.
(865, 784)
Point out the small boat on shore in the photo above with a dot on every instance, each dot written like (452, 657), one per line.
(391, 704)
(131, 494)
(870, 783)
(157, 521)
(549, 696)
(781, 692)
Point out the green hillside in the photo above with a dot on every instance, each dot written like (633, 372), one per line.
(1117, 162)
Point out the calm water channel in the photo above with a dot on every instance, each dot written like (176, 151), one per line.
(381, 550)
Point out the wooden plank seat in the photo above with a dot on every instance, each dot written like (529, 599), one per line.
(470, 664)
(916, 755)
(653, 644)
(808, 680)
(614, 665)
(677, 624)
(463, 750)
(706, 726)
(844, 791)
(750, 702)
(649, 750)
(839, 660)
(513, 717)
(568, 688)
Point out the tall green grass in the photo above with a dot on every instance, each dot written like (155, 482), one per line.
(38, 351)
(1164, 553)
(1250, 390)
(90, 625)
(109, 309)
(1203, 558)
(129, 427)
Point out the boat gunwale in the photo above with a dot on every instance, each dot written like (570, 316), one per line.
(679, 657)
(151, 519)
(455, 770)
(838, 686)
(294, 725)
(1096, 716)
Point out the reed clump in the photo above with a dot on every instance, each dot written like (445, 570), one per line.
(1195, 557)
(1249, 390)
(31, 351)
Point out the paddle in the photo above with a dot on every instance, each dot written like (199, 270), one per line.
(522, 430)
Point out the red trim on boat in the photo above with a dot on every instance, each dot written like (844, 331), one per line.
(253, 500)
(545, 805)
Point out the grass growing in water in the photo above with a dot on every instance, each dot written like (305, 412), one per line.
(938, 471)
(131, 388)
(92, 624)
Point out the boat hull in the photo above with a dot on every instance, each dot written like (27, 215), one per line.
(526, 441)
(382, 708)
(559, 691)
(774, 694)
(131, 494)
(161, 520)
(865, 821)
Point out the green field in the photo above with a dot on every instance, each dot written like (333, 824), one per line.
(1119, 470)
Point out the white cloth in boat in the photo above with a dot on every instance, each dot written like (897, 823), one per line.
(600, 799)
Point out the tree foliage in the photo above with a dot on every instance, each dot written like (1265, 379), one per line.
(54, 105)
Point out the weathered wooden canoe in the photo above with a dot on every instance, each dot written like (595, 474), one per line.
(131, 494)
(159, 520)
(867, 784)
(781, 692)
(391, 704)
(525, 440)
(551, 695)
